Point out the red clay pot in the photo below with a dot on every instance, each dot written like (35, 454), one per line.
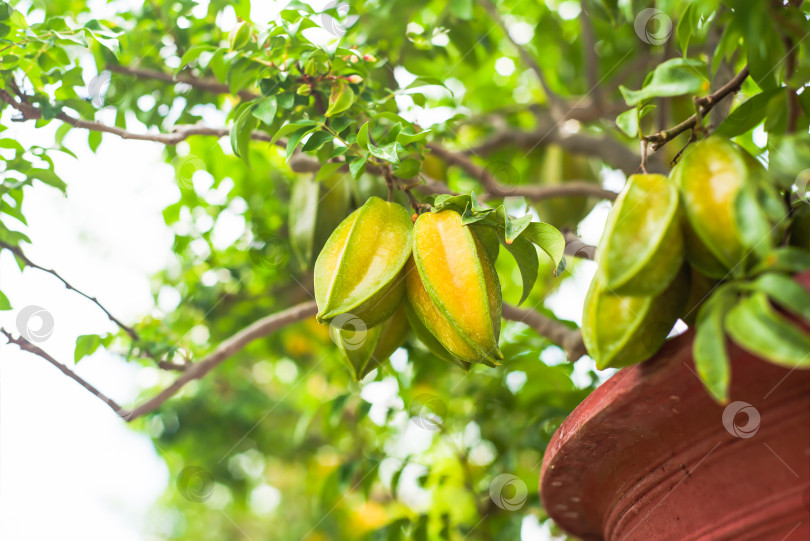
(649, 456)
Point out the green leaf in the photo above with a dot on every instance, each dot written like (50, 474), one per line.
(784, 259)
(193, 54)
(290, 127)
(94, 140)
(685, 25)
(513, 228)
(747, 115)
(674, 77)
(357, 166)
(5, 304)
(548, 238)
(785, 292)
(86, 344)
(527, 261)
(752, 224)
(407, 136)
(758, 328)
(408, 168)
(387, 152)
(488, 237)
(628, 122)
(340, 99)
(362, 136)
(709, 348)
(265, 109)
(243, 125)
(317, 140)
(239, 36)
(295, 138)
(48, 177)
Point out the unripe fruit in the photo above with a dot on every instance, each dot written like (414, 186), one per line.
(642, 249)
(453, 288)
(359, 270)
(363, 350)
(620, 330)
(710, 176)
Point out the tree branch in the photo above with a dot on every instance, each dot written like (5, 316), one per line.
(179, 133)
(226, 349)
(533, 192)
(613, 152)
(19, 253)
(704, 104)
(575, 247)
(205, 84)
(568, 339)
(25, 345)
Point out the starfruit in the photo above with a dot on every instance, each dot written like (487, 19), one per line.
(556, 168)
(364, 349)
(710, 176)
(359, 270)
(428, 340)
(453, 288)
(620, 330)
(641, 249)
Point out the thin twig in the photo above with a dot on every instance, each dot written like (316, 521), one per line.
(576, 247)
(227, 349)
(704, 104)
(180, 133)
(19, 253)
(533, 191)
(25, 345)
